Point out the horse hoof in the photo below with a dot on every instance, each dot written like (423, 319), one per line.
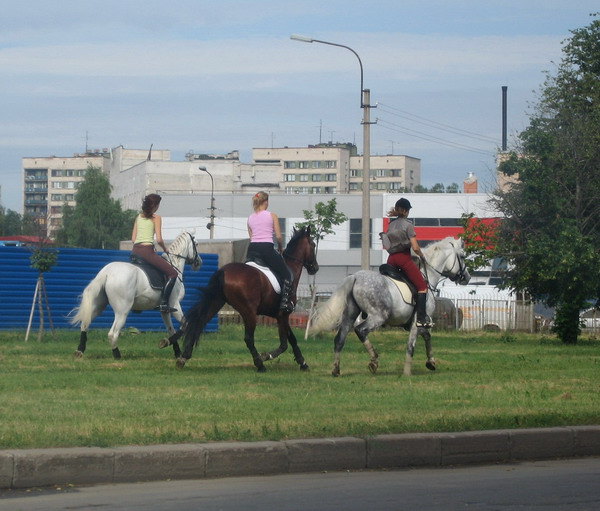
(180, 363)
(265, 357)
(261, 369)
(430, 364)
(373, 366)
(304, 367)
(335, 372)
(163, 343)
(78, 354)
(116, 354)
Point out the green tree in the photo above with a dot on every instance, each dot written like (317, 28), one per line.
(452, 188)
(437, 188)
(96, 221)
(322, 222)
(551, 233)
(13, 224)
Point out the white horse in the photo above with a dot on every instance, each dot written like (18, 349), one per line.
(380, 301)
(126, 287)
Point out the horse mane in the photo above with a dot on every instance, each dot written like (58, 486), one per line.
(297, 235)
(449, 240)
(178, 242)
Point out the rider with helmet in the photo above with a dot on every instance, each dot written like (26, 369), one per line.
(402, 237)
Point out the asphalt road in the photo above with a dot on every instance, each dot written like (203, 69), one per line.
(565, 485)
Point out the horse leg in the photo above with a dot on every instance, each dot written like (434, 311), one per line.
(298, 357)
(374, 320)
(410, 350)
(113, 333)
(173, 334)
(374, 362)
(283, 341)
(426, 334)
(249, 327)
(82, 344)
(349, 316)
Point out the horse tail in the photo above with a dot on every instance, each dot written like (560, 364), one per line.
(93, 301)
(201, 313)
(328, 315)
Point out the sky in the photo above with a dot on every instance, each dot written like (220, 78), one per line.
(216, 76)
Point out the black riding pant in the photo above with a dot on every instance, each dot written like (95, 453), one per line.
(274, 260)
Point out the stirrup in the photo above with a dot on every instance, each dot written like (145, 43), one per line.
(163, 307)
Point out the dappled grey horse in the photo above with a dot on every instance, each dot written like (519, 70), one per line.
(382, 301)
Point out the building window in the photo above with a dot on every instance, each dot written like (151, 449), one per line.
(303, 177)
(317, 177)
(356, 232)
(289, 165)
(355, 173)
(450, 222)
(380, 173)
(427, 222)
(330, 164)
(289, 177)
(330, 177)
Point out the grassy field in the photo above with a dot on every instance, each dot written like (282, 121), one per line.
(483, 381)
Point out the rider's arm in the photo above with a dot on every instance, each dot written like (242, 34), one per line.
(158, 232)
(416, 247)
(277, 229)
(134, 232)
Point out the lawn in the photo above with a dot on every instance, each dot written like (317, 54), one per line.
(483, 381)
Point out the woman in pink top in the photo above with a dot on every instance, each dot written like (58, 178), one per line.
(263, 226)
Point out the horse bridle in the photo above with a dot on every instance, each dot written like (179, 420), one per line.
(194, 259)
(462, 267)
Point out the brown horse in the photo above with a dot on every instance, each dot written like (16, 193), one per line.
(249, 291)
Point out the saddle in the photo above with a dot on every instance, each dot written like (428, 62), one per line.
(256, 262)
(156, 277)
(405, 286)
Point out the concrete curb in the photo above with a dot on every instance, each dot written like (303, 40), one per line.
(81, 465)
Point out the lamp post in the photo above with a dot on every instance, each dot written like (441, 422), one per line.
(211, 224)
(365, 100)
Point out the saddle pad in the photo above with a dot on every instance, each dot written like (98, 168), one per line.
(405, 291)
(269, 274)
(156, 278)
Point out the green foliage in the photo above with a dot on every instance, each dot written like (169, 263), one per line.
(322, 219)
(96, 221)
(43, 259)
(551, 232)
(13, 224)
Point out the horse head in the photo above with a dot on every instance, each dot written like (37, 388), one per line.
(184, 247)
(456, 267)
(302, 248)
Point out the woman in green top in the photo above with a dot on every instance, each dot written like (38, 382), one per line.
(147, 227)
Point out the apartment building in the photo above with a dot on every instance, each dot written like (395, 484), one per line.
(51, 182)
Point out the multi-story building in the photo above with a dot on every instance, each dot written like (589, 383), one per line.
(336, 168)
(50, 183)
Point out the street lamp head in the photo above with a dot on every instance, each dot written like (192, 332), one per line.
(202, 168)
(302, 38)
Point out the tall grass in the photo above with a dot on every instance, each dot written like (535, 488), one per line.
(483, 381)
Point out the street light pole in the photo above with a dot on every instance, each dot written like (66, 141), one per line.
(365, 100)
(211, 224)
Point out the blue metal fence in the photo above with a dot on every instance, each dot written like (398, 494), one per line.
(65, 282)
